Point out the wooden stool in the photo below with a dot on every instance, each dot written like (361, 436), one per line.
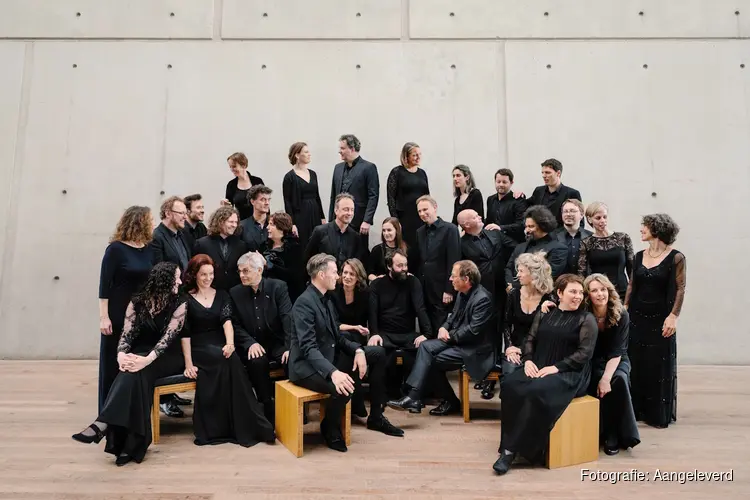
(463, 389)
(166, 385)
(290, 402)
(575, 437)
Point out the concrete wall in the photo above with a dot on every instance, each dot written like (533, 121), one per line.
(115, 102)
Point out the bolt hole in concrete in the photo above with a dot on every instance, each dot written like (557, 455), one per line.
(78, 14)
(169, 66)
(736, 12)
(653, 194)
(546, 14)
(359, 15)
(645, 66)
(161, 193)
(263, 66)
(64, 191)
(640, 13)
(742, 65)
(453, 66)
(452, 14)
(549, 66)
(75, 65)
(358, 66)
(57, 277)
(265, 14)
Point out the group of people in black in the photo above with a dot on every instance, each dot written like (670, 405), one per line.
(562, 309)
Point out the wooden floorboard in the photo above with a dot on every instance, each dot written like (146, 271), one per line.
(43, 402)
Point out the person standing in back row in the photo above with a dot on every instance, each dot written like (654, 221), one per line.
(358, 177)
(406, 183)
(553, 193)
(237, 188)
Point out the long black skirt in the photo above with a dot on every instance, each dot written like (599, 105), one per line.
(226, 409)
(532, 406)
(616, 414)
(127, 409)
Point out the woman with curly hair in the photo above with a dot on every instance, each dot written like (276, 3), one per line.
(125, 267)
(654, 300)
(226, 409)
(146, 351)
(224, 247)
(283, 254)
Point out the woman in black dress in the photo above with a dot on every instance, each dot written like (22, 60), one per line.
(557, 367)
(610, 377)
(391, 238)
(406, 183)
(654, 301)
(147, 351)
(283, 255)
(224, 247)
(237, 188)
(125, 267)
(301, 194)
(466, 194)
(226, 410)
(605, 252)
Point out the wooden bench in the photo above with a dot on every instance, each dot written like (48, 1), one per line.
(463, 388)
(167, 385)
(575, 438)
(290, 402)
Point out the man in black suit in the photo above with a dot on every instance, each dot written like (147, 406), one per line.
(553, 193)
(504, 210)
(262, 320)
(489, 250)
(358, 177)
(194, 228)
(439, 248)
(323, 360)
(338, 238)
(540, 223)
(255, 228)
(463, 340)
(169, 243)
(571, 233)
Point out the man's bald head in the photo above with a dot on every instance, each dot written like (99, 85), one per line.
(470, 221)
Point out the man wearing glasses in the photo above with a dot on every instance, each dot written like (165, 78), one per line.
(169, 243)
(572, 232)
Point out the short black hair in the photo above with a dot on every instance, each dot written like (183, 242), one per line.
(542, 217)
(389, 254)
(351, 141)
(506, 172)
(553, 164)
(190, 199)
(662, 227)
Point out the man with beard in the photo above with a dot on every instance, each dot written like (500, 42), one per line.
(396, 301)
(572, 232)
(504, 210)
(337, 238)
(194, 228)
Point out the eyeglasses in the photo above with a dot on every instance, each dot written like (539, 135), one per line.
(179, 213)
(571, 211)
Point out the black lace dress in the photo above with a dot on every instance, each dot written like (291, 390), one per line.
(616, 415)
(404, 189)
(127, 409)
(654, 294)
(531, 406)
(516, 326)
(611, 256)
(226, 409)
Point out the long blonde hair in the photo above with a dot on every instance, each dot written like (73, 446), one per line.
(539, 269)
(614, 304)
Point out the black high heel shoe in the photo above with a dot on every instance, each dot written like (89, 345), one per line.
(83, 438)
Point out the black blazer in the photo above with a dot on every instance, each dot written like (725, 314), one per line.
(226, 274)
(278, 315)
(471, 326)
(365, 187)
(564, 193)
(324, 239)
(194, 234)
(164, 249)
(436, 266)
(253, 236)
(556, 255)
(315, 339)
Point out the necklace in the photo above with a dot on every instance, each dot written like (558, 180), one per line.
(656, 256)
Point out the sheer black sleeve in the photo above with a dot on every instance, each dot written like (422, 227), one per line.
(529, 342)
(680, 277)
(629, 256)
(128, 332)
(583, 256)
(392, 192)
(174, 327)
(586, 343)
(510, 317)
(226, 307)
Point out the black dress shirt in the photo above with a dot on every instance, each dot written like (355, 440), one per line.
(329, 239)
(507, 212)
(193, 234)
(395, 305)
(573, 244)
(254, 233)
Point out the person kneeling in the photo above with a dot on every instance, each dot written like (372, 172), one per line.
(463, 340)
(321, 359)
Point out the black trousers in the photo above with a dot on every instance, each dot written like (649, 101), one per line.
(437, 357)
(402, 343)
(336, 405)
(259, 371)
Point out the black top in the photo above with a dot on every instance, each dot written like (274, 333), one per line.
(169, 246)
(573, 244)
(507, 212)
(554, 201)
(564, 339)
(225, 252)
(362, 182)
(404, 189)
(659, 289)
(611, 256)
(517, 323)
(356, 313)
(377, 260)
(328, 238)
(205, 325)
(395, 305)
(613, 340)
(261, 317)
(473, 201)
(254, 234)
(285, 263)
(556, 255)
(489, 251)
(238, 197)
(193, 234)
(439, 248)
(296, 189)
(123, 273)
(143, 332)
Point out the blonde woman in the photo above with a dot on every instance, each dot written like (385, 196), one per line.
(535, 276)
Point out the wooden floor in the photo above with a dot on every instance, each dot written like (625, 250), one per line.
(43, 403)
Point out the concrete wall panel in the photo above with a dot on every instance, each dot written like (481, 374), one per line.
(323, 19)
(578, 18)
(623, 132)
(106, 19)
(95, 131)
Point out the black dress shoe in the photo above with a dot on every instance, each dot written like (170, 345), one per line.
(332, 437)
(95, 438)
(171, 410)
(503, 463)
(383, 425)
(123, 459)
(488, 390)
(406, 403)
(181, 401)
(611, 447)
(478, 386)
(446, 407)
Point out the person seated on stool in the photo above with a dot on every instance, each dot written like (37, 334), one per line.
(396, 301)
(323, 360)
(463, 340)
(261, 317)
